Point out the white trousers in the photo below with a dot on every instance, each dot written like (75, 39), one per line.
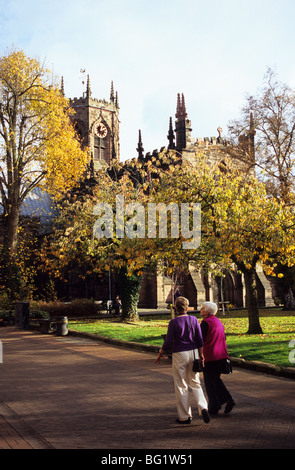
(184, 377)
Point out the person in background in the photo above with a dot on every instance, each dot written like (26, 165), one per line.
(215, 353)
(176, 294)
(117, 304)
(183, 338)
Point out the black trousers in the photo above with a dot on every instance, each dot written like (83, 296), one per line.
(216, 390)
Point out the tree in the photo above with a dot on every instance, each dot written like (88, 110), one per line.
(38, 144)
(273, 123)
(109, 229)
(77, 246)
(255, 227)
(241, 224)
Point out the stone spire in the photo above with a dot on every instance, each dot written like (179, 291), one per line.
(181, 108)
(88, 89)
(170, 135)
(182, 124)
(247, 140)
(140, 148)
(112, 96)
(178, 106)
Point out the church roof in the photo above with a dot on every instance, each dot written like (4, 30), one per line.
(38, 204)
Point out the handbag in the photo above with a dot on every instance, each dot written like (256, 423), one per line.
(226, 366)
(197, 364)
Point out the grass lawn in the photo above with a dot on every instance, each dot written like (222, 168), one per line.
(272, 346)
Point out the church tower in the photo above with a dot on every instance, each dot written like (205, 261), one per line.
(182, 124)
(97, 123)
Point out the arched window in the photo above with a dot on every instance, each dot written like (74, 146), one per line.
(99, 148)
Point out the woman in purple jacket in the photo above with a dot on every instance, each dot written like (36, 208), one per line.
(184, 337)
(215, 353)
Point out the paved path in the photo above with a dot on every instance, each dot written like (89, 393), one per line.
(74, 393)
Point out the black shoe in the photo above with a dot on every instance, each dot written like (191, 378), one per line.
(213, 412)
(206, 417)
(187, 421)
(229, 406)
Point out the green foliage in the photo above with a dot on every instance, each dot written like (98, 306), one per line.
(6, 317)
(130, 285)
(5, 301)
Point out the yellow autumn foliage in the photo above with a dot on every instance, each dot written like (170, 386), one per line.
(39, 145)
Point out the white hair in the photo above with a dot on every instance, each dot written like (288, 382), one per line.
(210, 307)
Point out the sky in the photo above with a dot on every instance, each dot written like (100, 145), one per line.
(215, 52)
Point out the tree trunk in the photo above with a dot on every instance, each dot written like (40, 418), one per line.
(252, 301)
(12, 224)
(11, 272)
(289, 300)
(130, 294)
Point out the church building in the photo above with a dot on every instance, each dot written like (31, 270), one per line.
(97, 123)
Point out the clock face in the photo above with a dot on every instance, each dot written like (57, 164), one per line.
(101, 131)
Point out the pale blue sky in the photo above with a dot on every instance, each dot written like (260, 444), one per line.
(213, 51)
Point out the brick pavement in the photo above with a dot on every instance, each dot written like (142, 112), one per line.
(74, 393)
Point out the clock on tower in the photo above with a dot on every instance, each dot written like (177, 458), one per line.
(101, 131)
(97, 124)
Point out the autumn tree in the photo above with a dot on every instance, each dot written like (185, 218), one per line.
(110, 229)
(77, 246)
(241, 224)
(38, 144)
(249, 229)
(272, 111)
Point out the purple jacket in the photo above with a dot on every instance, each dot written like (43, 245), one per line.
(183, 334)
